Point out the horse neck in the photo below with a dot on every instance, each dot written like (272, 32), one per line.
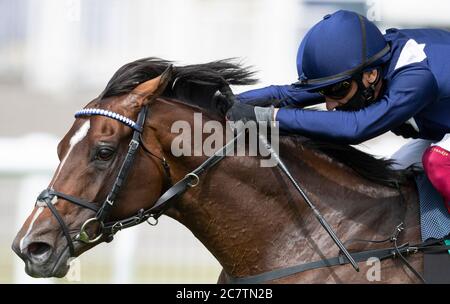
(252, 220)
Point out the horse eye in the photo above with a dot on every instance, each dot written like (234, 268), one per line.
(104, 154)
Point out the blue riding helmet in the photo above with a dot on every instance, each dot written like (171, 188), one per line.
(339, 46)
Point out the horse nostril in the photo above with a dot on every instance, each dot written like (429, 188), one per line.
(39, 252)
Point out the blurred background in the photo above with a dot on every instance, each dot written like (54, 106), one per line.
(57, 55)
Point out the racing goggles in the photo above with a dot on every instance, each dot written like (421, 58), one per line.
(337, 90)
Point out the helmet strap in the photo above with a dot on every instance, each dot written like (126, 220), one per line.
(369, 92)
(364, 96)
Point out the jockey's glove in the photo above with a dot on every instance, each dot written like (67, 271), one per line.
(244, 112)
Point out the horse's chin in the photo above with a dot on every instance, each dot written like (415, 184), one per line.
(56, 266)
(40, 272)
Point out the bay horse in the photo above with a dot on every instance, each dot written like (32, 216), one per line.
(249, 217)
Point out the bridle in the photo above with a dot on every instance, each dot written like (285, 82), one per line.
(108, 229)
(170, 191)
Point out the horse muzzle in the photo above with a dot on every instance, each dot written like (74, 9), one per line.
(41, 259)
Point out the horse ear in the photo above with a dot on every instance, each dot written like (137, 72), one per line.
(152, 88)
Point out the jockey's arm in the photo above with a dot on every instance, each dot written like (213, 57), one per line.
(410, 89)
(288, 94)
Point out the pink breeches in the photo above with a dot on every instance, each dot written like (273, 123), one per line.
(436, 162)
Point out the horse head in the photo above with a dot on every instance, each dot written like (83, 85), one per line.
(91, 155)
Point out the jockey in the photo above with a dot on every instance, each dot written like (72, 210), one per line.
(371, 83)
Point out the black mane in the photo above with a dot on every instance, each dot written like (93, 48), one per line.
(196, 84)
(378, 170)
(193, 84)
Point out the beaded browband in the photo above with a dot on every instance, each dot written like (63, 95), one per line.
(116, 116)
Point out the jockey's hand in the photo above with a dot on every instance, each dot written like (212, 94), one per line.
(224, 104)
(244, 112)
(266, 103)
(241, 112)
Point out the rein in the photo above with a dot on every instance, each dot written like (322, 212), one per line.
(432, 246)
(191, 180)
